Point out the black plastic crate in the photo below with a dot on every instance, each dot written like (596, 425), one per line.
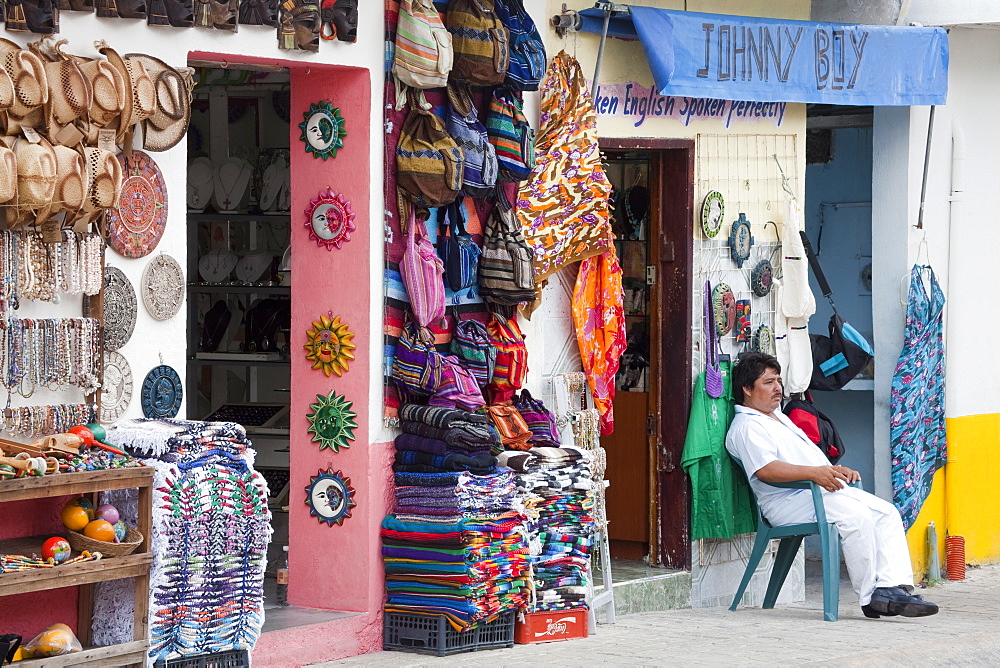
(425, 634)
(234, 659)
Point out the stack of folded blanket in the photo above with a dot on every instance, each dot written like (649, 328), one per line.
(557, 489)
(440, 440)
(469, 570)
(455, 545)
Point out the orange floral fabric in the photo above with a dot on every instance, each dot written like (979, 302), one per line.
(564, 205)
(600, 329)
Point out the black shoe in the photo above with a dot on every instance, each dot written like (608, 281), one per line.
(895, 601)
(870, 612)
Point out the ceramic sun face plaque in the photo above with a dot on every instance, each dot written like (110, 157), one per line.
(329, 347)
(329, 220)
(323, 130)
(330, 497)
(332, 422)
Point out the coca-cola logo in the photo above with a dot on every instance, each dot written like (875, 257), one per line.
(556, 627)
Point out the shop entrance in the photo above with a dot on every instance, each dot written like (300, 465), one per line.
(647, 503)
(239, 294)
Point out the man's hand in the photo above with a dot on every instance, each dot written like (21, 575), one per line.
(833, 478)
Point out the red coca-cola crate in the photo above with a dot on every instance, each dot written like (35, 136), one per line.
(551, 626)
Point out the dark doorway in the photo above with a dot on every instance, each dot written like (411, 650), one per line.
(647, 502)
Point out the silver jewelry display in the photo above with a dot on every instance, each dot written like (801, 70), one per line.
(163, 287)
(119, 309)
(116, 390)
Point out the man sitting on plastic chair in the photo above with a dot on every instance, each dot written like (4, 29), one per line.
(772, 449)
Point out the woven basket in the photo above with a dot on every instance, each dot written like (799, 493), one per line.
(79, 542)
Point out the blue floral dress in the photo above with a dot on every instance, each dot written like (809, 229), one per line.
(917, 428)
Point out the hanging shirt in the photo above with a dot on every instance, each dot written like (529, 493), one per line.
(757, 439)
(720, 503)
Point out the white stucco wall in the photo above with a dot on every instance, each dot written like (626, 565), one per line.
(153, 339)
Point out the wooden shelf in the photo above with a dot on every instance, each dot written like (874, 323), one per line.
(114, 655)
(83, 482)
(40, 579)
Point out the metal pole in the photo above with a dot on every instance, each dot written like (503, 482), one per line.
(600, 50)
(927, 165)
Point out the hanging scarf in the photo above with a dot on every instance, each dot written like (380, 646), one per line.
(564, 205)
(600, 329)
(916, 426)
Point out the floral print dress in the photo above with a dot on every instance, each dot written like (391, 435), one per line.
(917, 427)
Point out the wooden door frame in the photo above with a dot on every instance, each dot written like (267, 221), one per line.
(672, 195)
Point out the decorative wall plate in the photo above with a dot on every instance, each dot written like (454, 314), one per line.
(330, 220)
(724, 304)
(119, 309)
(761, 278)
(332, 422)
(136, 225)
(740, 240)
(712, 211)
(330, 497)
(323, 130)
(161, 393)
(116, 386)
(763, 340)
(329, 347)
(163, 287)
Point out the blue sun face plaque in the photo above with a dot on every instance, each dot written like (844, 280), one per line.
(330, 497)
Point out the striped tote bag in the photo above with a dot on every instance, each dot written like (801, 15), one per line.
(424, 51)
(511, 136)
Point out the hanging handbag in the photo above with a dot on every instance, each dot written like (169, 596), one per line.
(454, 385)
(714, 386)
(470, 343)
(511, 135)
(413, 360)
(539, 419)
(511, 367)
(429, 162)
(457, 250)
(514, 432)
(506, 270)
(422, 272)
(841, 356)
(480, 169)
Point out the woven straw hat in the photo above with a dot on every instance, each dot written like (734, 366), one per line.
(71, 182)
(140, 88)
(110, 93)
(36, 174)
(70, 92)
(169, 121)
(27, 72)
(8, 174)
(104, 179)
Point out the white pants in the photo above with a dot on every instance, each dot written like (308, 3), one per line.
(871, 535)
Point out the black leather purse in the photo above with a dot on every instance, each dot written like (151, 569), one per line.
(8, 646)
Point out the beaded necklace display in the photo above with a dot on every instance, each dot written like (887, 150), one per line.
(49, 353)
(34, 421)
(37, 271)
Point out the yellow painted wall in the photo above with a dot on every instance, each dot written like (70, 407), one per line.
(964, 499)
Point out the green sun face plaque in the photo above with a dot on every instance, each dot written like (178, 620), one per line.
(323, 130)
(332, 422)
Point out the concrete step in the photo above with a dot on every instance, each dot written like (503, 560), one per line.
(642, 588)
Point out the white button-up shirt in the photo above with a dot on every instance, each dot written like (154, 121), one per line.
(757, 440)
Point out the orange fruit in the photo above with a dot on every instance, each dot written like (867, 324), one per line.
(100, 530)
(74, 517)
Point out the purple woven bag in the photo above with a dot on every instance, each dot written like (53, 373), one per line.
(713, 374)
(539, 419)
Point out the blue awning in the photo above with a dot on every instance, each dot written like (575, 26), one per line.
(774, 60)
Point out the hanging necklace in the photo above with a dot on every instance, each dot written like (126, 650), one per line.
(230, 197)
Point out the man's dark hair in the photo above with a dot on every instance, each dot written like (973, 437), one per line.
(748, 369)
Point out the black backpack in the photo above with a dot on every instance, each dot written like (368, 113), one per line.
(817, 426)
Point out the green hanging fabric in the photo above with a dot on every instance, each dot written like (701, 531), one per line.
(720, 499)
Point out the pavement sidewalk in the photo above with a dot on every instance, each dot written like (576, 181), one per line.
(965, 633)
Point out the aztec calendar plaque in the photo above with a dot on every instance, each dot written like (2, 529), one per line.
(161, 393)
(163, 287)
(136, 224)
(116, 387)
(119, 308)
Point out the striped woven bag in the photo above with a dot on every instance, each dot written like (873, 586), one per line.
(511, 136)
(480, 43)
(424, 51)
(511, 366)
